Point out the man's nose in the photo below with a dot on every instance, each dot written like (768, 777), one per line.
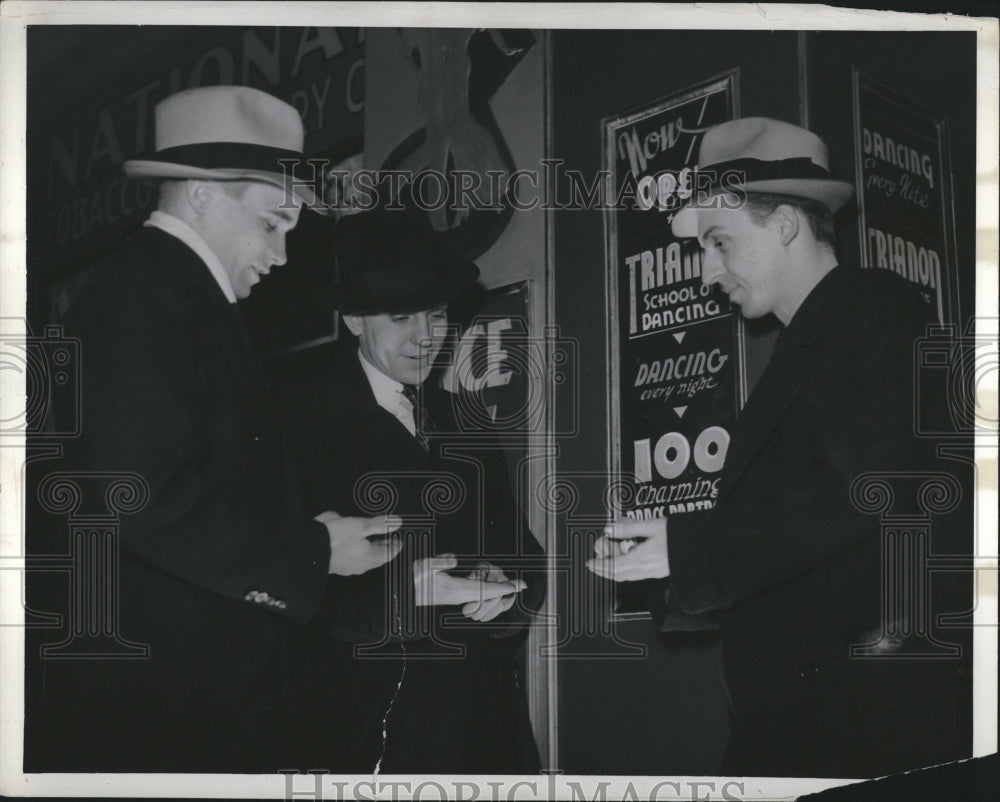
(278, 254)
(711, 267)
(421, 329)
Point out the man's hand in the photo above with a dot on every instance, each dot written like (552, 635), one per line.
(632, 550)
(350, 550)
(434, 587)
(488, 609)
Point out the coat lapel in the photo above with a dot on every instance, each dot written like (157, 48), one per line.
(186, 264)
(192, 271)
(768, 403)
(375, 427)
(795, 357)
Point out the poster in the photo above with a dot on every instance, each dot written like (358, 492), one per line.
(675, 344)
(494, 361)
(491, 360)
(906, 220)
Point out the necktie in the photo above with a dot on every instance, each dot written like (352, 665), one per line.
(422, 423)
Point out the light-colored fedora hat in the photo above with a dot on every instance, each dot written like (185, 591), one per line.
(762, 155)
(228, 133)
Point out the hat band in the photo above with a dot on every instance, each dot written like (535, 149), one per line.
(231, 156)
(394, 280)
(801, 167)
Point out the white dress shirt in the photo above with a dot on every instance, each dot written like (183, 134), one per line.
(178, 228)
(389, 394)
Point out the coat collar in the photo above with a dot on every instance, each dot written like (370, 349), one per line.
(182, 231)
(183, 263)
(347, 384)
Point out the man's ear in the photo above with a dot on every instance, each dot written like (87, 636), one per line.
(199, 194)
(353, 323)
(786, 219)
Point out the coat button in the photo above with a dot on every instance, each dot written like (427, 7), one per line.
(808, 669)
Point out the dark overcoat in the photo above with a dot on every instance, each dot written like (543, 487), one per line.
(792, 558)
(217, 567)
(448, 691)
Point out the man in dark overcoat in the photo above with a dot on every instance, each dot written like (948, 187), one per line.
(829, 671)
(422, 656)
(217, 565)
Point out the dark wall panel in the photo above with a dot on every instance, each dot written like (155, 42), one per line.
(937, 71)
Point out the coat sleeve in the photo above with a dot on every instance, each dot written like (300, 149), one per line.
(217, 515)
(854, 415)
(330, 444)
(381, 603)
(668, 615)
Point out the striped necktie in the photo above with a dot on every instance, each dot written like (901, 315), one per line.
(422, 423)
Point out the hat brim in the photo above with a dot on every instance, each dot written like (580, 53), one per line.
(830, 192)
(149, 169)
(453, 277)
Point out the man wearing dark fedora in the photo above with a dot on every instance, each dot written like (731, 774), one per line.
(421, 657)
(218, 565)
(822, 679)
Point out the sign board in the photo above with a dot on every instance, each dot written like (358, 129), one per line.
(676, 346)
(903, 170)
(496, 364)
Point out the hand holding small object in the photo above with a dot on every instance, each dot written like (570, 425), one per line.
(350, 550)
(434, 586)
(632, 550)
(488, 609)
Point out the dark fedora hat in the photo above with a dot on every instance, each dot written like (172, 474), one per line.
(393, 261)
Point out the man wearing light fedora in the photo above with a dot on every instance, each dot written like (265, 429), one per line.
(420, 659)
(787, 556)
(219, 565)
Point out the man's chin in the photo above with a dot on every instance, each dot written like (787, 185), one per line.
(749, 312)
(406, 375)
(420, 376)
(243, 288)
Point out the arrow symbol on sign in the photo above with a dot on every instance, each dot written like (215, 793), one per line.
(680, 337)
(680, 411)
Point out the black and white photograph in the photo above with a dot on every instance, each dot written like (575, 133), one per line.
(498, 401)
